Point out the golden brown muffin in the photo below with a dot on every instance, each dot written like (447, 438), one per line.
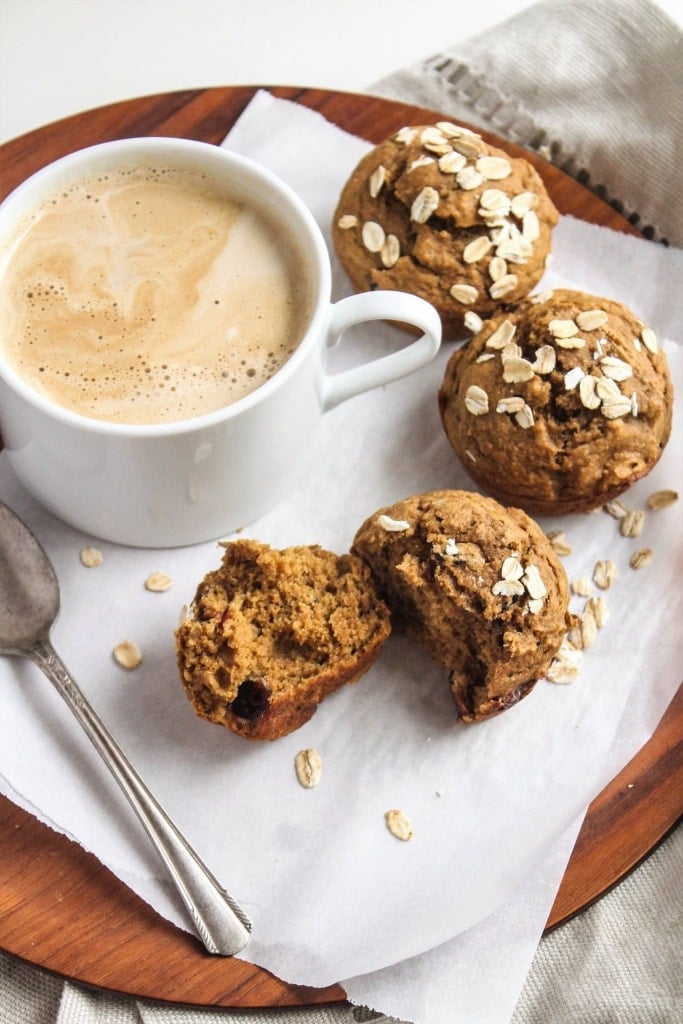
(558, 404)
(271, 633)
(478, 585)
(436, 211)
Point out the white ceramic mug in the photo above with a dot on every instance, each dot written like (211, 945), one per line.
(180, 483)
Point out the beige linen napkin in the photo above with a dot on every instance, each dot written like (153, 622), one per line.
(595, 87)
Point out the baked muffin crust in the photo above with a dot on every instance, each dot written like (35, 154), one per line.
(559, 403)
(477, 585)
(436, 211)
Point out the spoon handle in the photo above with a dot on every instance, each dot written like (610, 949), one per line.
(221, 924)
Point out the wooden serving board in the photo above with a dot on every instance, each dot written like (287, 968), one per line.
(60, 909)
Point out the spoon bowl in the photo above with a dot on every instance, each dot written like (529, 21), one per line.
(29, 605)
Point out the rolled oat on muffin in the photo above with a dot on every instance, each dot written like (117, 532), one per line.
(436, 211)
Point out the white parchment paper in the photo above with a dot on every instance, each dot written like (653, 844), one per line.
(332, 894)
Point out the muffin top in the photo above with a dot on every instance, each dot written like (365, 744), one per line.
(436, 211)
(477, 584)
(559, 403)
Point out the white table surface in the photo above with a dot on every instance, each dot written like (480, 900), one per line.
(59, 57)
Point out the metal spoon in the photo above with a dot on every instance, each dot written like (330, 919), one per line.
(29, 604)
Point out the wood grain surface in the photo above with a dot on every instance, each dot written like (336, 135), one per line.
(59, 907)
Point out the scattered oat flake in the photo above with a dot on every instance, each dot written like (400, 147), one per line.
(615, 508)
(399, 825)
(392, 525)
(640, 558)
(91, 557)
(559, 542)
(582, 586)
(128, 654)
(158, 582)
(562, 671)
(604, 573)
(662, 499)
(588, 627)
(632, 523)
(598, 609)
(308, 765)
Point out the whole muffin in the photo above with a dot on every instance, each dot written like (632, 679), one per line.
(271, 633)
(478, 585)
(436, 211)
(559, 403)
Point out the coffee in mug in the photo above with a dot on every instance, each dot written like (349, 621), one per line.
(150, 293)
(179, 455)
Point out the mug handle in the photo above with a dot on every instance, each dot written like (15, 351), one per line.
(380, 305)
